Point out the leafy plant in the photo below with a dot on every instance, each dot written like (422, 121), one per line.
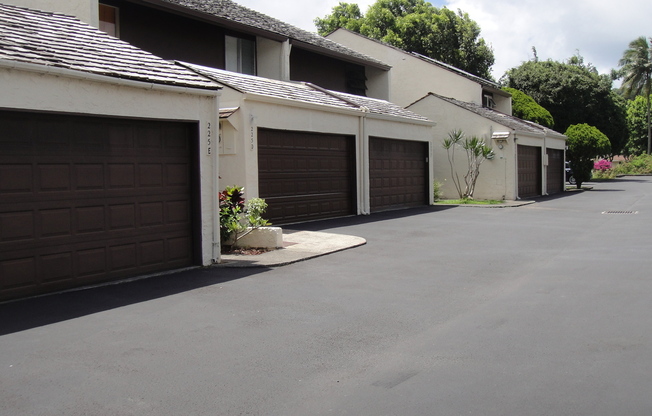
(237, 217)
(436, 191)
(476, 153)
(639, 165)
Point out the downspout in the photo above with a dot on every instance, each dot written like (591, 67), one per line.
(363, 157)
(516, 195)
(215, 157)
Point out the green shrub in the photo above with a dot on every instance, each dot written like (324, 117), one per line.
(639, 165)
(237, 217)
(436, 191)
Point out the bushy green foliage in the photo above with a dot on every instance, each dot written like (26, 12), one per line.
(237, 217)
(574, 93)
(436, 191)
(585, 143)
(524, 107)
(638, 165)
(637, 126)
(417, 26)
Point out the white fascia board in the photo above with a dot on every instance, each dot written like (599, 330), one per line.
(87, 76)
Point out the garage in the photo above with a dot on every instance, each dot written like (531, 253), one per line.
(92, 199)
(306, 176)
(529, 171)
(555, 174)
(398, 174)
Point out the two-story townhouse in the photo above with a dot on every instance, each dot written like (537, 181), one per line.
(106, 169)
(529, 158)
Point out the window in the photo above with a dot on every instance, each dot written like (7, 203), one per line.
(109, 19)
(488, 100)
(240, 55)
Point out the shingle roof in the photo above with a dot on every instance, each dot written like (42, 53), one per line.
(57, 40)
(234, 12)
(304, 93)
(506, 120)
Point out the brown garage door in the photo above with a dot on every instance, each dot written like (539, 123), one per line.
(555, 172)
(85, 200)
(398, 174)
(306, 176)
(529, 171)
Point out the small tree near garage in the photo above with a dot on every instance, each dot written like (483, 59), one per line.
(476, 153)
(585, 143)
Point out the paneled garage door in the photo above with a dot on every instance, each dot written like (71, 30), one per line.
(398, 174)
(85, 200)
(529, 171)
(306, 176)
(555, 173)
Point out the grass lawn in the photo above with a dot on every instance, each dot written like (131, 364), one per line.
(470, 201)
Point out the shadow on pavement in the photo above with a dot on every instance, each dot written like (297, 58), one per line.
(320, 225)
(23, 314)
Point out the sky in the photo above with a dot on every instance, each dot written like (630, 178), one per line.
(599, 30)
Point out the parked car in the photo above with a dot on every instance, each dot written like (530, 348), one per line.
(569, 174)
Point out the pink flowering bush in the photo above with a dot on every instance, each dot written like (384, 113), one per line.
(602, 164)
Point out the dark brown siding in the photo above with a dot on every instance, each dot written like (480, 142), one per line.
(529, 171)
(170, 36)
(326, 72)
(306, 176)
(85, 200)
(398, 174)
(555, 172)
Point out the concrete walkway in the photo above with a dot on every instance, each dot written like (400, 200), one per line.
(297, 246)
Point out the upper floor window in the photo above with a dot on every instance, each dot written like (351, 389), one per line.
(109, 19)
(488, 100)
(240, 55)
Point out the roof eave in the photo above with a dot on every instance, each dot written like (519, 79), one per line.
(338, 55)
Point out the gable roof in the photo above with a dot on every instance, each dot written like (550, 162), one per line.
(303, 92)
(506, 120)
(61, 41)
(229, 12)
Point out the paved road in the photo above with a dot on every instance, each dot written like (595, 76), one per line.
(538, 310)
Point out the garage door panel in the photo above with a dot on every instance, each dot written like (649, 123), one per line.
(555, 174)
(81, 199)
(398, 174)
(305, 176)
(529, 171)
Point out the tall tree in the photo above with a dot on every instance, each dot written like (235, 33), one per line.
(417, 26)
(574, 93)
(637, 124)
(636, 71)
(524, 107)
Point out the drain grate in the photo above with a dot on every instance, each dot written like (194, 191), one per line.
(620, 212)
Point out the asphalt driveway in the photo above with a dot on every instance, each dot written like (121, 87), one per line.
(544, 309)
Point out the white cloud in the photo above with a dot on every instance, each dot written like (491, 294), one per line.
(598, 29)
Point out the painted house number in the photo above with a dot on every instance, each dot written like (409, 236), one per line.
(209, 139)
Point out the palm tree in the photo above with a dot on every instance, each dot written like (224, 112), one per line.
(636, 70)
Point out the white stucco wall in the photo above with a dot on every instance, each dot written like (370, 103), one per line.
(84, 10)
(32, 88)
(273, 59)
(411, 78)
(497, 178)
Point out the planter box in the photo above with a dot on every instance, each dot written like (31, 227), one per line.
(263, 237)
